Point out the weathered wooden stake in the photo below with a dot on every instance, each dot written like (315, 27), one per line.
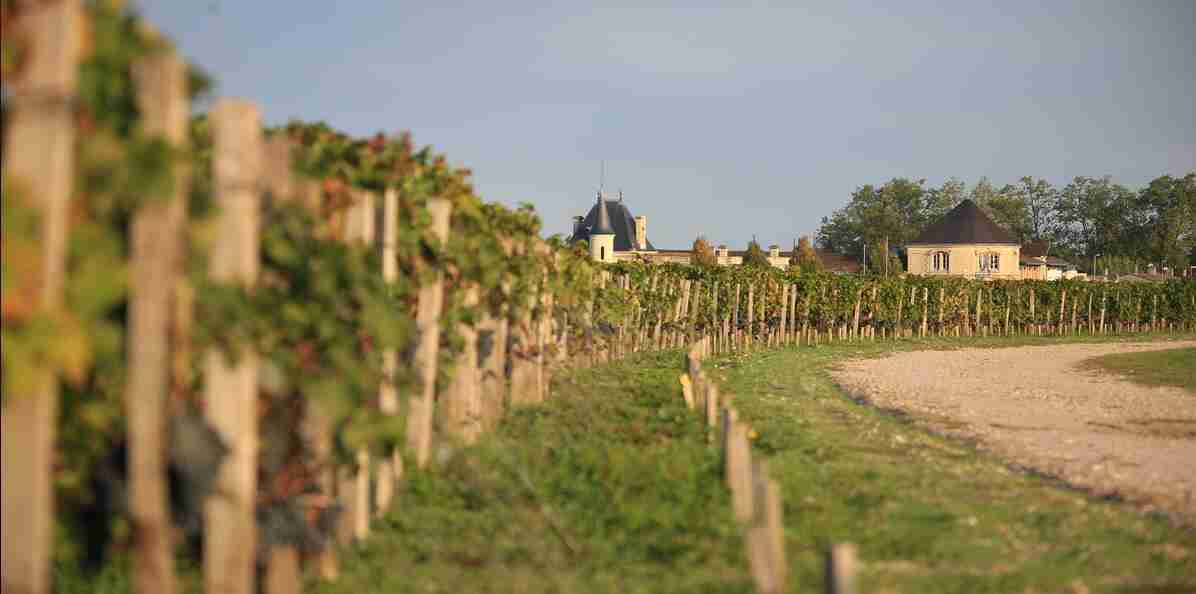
(230, 537)
(283, 575)
(840, 569)
(462, 401)
(39, 157)
(427, 323)
(156, 247)
(738, 471)
(765, 534)
(388, 397)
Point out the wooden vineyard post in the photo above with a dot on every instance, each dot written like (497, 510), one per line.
(427, 323)
(230, 538)
(898, 330)
(765, 535)
(840, 569)
(543, 328)
(942, 295)
(462, 398)
(925, 308)
(156, 247)
(389, 467)
(1154, 312)
(1091, 327)
(1033, 320)
(360, 222)
(712, 328)
(712, 402)
(283, 574)
(1073, 316)
(39, 149)
(784, 312)
(855, 318)
(1103, 294)
(737, 470)
(1062, 308)
(751, 313)
(734, 320)
(361, 496)
(977, 324)
(492, 333)
(1007, 304)
(525, 378)
(791, 330)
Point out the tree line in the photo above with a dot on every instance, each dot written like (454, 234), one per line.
(1091, 219)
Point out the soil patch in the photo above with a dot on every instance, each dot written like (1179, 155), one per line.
(1035, 407)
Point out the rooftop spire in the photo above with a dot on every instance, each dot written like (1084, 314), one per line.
(602, 226)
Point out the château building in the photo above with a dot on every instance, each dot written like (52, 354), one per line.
(616, 235)
(965, 242)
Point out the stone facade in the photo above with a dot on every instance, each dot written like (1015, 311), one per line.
(966, 242)
(977, 260)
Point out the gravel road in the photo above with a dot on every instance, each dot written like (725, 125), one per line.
(1034, 407)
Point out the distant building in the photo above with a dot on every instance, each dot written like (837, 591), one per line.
(615, 235)
(966, 242)
(1037, 264)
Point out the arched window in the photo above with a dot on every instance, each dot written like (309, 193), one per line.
(602, 253)
(940, 261)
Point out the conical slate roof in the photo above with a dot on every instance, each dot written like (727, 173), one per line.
(603, 226)
(620, 220)
(965, 223)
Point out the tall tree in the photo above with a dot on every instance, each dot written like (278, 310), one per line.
(1039, 197)
(1006, 207)
(1093, 216)
(754, 256)
(804, 257)
(895, 212)
(937, 201)
(1171, 234)
(702, 254)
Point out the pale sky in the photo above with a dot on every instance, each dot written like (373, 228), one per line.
(726, 119)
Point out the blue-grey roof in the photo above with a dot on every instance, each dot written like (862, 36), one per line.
(621, 221)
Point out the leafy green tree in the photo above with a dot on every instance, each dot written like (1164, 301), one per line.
(895, 212)
(1039, 198)
(881, 261)
(1171, 220)
(1006, 207)
(1094, 216)
(702, 254)
(754, 256)
(936, 202)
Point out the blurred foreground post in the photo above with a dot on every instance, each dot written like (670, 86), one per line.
(389, 467)
(840, 569)
(230, 538)
(156, 247)
(39, 157)
(427, 322)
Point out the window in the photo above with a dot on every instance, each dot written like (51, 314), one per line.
(990, 262)
(940, 262)
(602, 254)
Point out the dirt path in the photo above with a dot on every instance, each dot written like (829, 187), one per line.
(1032, 406)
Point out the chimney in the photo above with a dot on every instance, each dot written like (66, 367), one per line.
(641, 231)
(577, 222)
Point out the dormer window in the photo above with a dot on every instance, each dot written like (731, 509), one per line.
(940, 261)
